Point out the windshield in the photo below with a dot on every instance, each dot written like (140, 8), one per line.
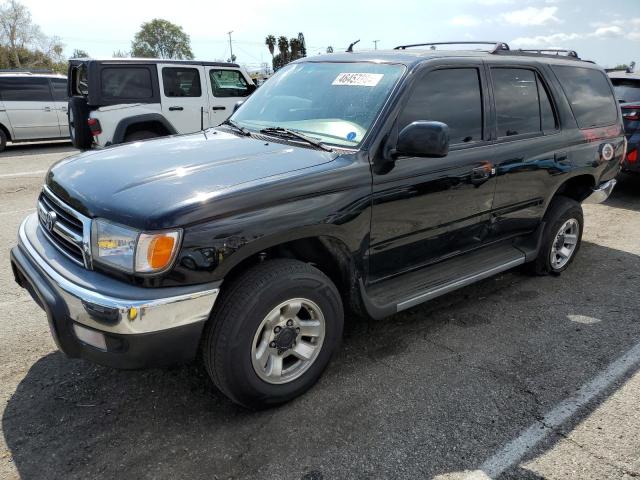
(627, 90)
(335, 103)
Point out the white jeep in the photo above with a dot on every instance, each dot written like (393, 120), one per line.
(123, 100)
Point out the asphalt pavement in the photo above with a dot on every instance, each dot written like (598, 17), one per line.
(515, 377)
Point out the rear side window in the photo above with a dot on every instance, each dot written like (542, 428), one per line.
(517, 101)
(181, 82)
(451, 96)
(59, 89)
(228, 83)
(130, 82)
(25, 89)
(589, 94)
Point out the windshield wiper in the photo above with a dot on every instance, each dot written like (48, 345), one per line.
(285, 132)
(238, 128)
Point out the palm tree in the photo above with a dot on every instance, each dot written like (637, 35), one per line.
(295, 48)
(283, 46)
(270, 42)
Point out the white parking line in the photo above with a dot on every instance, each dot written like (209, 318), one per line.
(22, 174)
(514, 451)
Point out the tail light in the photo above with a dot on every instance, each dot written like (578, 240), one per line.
(632, 156)
(94, 126)
(631, 113)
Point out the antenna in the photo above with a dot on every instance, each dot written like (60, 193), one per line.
(350, 49)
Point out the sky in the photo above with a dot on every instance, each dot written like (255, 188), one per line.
(606, 31)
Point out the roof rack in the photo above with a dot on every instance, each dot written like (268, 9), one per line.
(550, 51)
(497, 46)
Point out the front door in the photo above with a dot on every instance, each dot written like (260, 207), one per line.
(429, 209)
(184, 99)
(30, 107)
(226, 87)
(60, 99)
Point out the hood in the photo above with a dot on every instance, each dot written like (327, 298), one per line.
(144, 184)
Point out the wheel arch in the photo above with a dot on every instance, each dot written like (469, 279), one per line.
(153, 121)
(6, 131)
(578, 187)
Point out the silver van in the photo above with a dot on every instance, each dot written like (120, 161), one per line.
(33, 106)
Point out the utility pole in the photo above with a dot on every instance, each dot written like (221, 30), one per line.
(230, 44)
(375, 44)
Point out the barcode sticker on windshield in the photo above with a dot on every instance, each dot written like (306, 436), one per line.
(358, 79)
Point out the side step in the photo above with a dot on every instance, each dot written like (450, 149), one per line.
(408, 290)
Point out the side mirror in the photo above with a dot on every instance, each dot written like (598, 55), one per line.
(251, 88)
(237, 105)
(423, 139)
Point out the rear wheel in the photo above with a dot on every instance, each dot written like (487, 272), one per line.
(140, 135)
(3, 140)
(273, 333)
(561, 238)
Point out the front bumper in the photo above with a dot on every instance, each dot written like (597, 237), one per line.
(601, 192)
(96, 317)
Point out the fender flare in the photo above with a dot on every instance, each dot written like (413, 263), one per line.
(125, 123)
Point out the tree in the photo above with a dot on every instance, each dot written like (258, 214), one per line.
(295, 48)
(303, 45)
(161, 39)
(120, 54)
(270, 42)
(79, 53)
(329, 49)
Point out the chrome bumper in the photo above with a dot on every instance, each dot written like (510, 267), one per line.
(123, 315)
(602, 192)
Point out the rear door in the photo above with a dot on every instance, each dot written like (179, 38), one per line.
(227, 86)
(30, 107)
(60, 99)
(184, 97)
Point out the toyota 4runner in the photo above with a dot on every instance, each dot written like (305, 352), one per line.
(123, 100)
(365, 182)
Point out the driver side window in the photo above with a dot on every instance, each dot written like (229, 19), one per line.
(452, 96)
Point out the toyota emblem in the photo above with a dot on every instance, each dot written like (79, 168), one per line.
(50, 220)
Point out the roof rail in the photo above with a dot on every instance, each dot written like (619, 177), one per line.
(550, 51)
(497, 46)
(26, 70)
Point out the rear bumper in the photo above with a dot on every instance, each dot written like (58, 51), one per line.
(601, 192)
(88, 320)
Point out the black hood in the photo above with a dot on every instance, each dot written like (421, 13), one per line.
(146, 184)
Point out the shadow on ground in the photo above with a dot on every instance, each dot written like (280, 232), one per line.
(626, 194)
(437, 389)
(39, 148)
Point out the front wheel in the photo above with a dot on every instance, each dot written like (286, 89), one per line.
(562, 237)
(273, 333)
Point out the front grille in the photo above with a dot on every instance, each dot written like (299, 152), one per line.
(65, 228)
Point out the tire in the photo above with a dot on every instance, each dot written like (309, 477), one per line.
(237, 331)
(566, 214)
(3, 140)
(79, 132)
(140, 135)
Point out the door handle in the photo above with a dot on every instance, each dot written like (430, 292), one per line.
(47, 109)
(218, 107)
(176, 109)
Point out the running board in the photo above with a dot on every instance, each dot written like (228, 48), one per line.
(389, 297)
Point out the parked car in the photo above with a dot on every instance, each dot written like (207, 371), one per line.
(359, 182)
(627, 88)
(122, 100)
(33, 106)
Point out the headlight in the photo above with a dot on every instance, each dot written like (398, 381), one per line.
(132, 251)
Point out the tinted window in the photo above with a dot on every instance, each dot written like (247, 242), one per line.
(549, 121)
(450, 96)
(517, 104)
(181, 82)
(627, 90)
(590, 96)
(25, 89)
(59, 89)
(130, 82)
(228, 83)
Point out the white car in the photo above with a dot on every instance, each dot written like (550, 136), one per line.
(33, 106)
(123, 100)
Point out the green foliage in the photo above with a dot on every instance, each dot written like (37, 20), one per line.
(120, 54)
(288, 49)
(79, 53)
(161, 39)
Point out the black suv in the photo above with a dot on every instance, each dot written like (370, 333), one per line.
(365, 182)
(627, 89)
